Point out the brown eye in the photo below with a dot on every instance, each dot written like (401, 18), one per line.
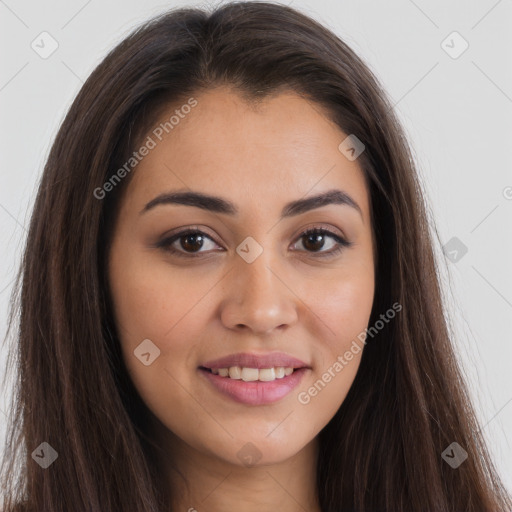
(314, 241)
(186, 243)
(192, 242)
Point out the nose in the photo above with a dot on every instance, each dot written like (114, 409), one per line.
(259, 297)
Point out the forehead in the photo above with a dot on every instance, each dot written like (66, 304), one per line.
(279, 150)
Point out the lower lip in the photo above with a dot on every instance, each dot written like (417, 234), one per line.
(256, 392)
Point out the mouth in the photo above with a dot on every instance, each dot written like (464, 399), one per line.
(248, 385)
(254, 379)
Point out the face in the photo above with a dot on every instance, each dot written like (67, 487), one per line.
(194, 284)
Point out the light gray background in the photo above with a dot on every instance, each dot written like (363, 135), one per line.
(457, 113)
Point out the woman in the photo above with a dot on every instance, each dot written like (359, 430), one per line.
(302, 361)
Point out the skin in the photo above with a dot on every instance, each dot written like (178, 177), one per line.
(288, 299)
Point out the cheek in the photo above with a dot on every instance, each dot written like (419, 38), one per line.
(342, 308)
(347, 308)
(151, 300)
(341, 305)
(156, 304)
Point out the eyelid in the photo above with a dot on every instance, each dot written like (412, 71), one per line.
(331, 231)
(183, 231)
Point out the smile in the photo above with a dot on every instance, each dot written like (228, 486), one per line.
(254, 386)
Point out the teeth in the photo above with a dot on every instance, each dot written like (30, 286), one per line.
(235, 372)
(250, 374)
(253, 374)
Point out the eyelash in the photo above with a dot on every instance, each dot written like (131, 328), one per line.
(166, 243)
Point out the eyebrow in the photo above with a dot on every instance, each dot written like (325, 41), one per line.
(220, 205)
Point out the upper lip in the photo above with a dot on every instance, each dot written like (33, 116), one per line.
(248, 360)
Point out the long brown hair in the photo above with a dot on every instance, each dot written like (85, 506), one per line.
(408, 403)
